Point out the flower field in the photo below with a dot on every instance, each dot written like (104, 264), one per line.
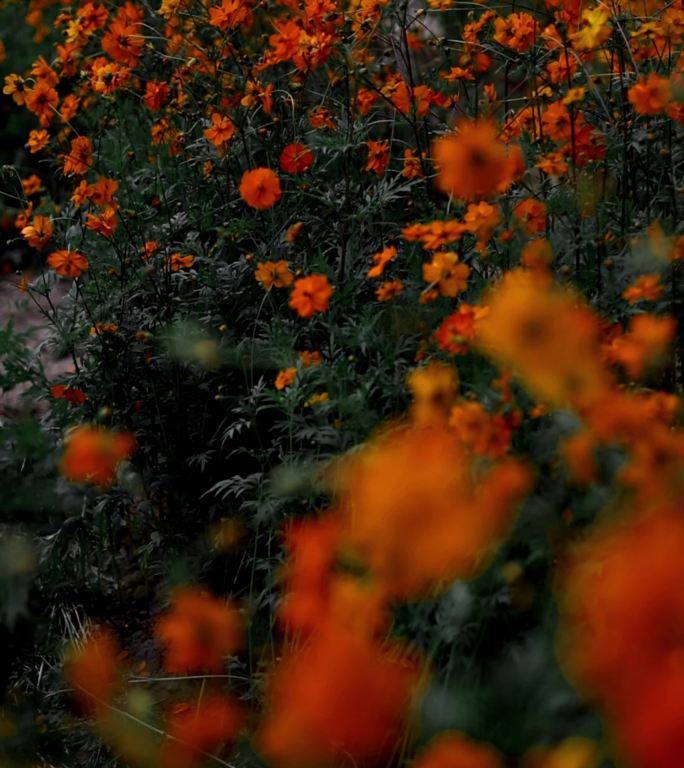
(341, 390)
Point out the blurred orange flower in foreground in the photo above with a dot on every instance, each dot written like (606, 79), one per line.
(455, 750)
(198, 633)
(198, 728)
(546, 334)
(418, 514)
(473, 163)
(92, 454)
(622, 628)
(341, 697)
(92, 670)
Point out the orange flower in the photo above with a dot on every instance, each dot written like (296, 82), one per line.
(446, 273)
(92, 454)
(39, 232)
(455, 750)
(80, 156)
(68, 263)
(413, 511)
(285, 378)
(310, 359)
(650, 95)
(70, 394)
(518, 31)
(545, 333)
(479, 431)
(42, 100)
(413, 168)
(221, 131)
(320, 118)
(435, 234)
(381, 260)
(482, 219)
(311, 295)
(31, 186)
(645, 344)
(197, 729)
(228, 15)
(15, 86)
(198, 632)
(644, 288)
(124, 40)
(531, 214)
(104, 223)
(307, 727)
(388, 290)
(156, 95)
(270, 274)
(620, 635)
(457, 330)
(92, 670)
(312, 545)
(378, 156)
(177, 261)
(37, 140)
(260, 188)
(294, 231)
(296, 158)
(434, 387)
(474, 163)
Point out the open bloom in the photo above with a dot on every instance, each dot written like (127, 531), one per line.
(198, 632)
(310, 295)
(473, 163)
(68, 263)
(340, 697)
(92, 454)
(650, 95)
(221, 130)
(260, 188)
(296, 158)
(80, 156)
(273, 274)
(39, 232)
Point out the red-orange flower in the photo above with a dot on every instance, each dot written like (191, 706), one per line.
(198, 728)
(93, 454)
(296, 158)
(458, 330)
(260, 188)
(455, 750)
(198, 633)
(378, 156)
(311, 295)
(413, 511)
(92, 670)
(70, 394)
(341, 697)
(620, 637)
